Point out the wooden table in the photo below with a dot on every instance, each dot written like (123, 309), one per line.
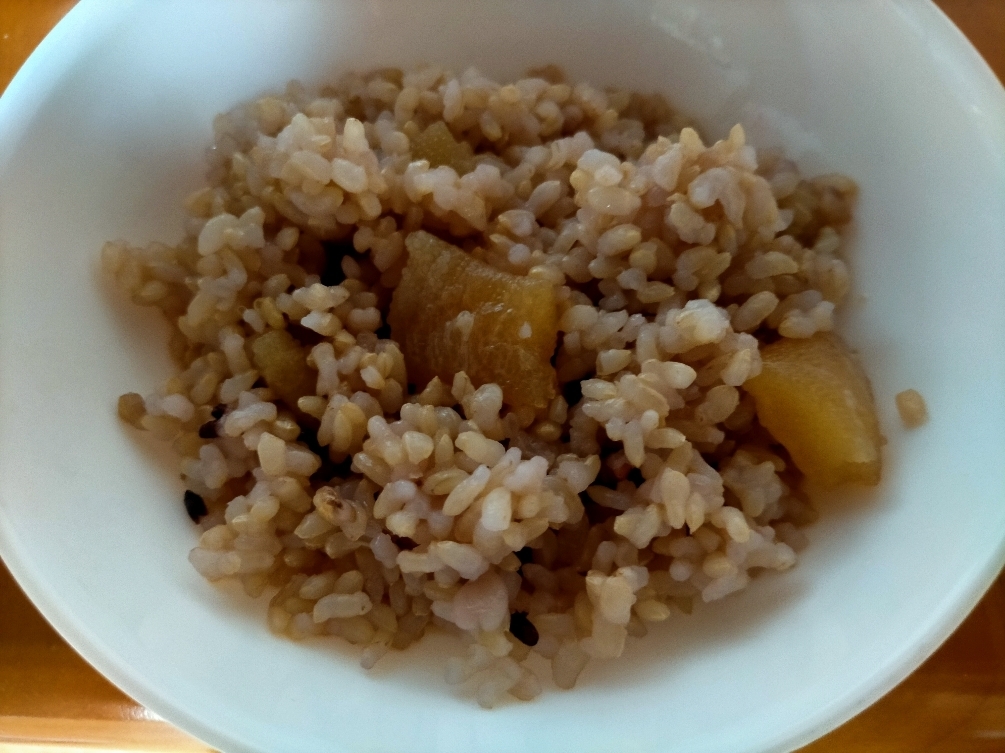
(50, 699)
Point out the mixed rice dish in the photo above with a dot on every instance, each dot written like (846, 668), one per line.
(529, 362)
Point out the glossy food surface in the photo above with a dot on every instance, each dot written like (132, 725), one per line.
(854, 75)
(454, 313)
(815, 399)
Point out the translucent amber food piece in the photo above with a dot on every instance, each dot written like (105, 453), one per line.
(282, 362)
(438, 145)
(816, 401)
(454, 313)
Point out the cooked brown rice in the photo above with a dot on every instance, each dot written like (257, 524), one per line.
(372, 508)
(912, 408)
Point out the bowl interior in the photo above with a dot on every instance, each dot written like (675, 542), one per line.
(102, 135)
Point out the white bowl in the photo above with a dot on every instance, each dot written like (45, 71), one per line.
(101, 136)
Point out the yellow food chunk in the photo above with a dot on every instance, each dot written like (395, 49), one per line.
(454, 313)
(816, 401)
(282, 362)
(438, 145)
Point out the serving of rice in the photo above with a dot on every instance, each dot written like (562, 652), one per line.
(372, 508)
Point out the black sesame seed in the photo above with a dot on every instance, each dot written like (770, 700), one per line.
(572, 392)
(403, 542)
(523, 629)
(329, 468)
(218, 411)
(195, 506)
(208, 430)
(525, 555)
